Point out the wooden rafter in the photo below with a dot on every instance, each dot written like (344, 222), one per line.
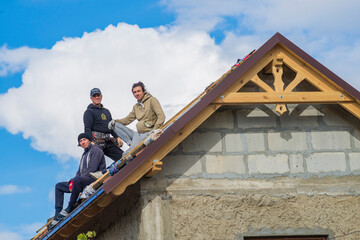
(260, 83)
(283, 98)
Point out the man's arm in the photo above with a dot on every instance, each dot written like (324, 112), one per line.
(97, 161)
(112, 131)
(88, 122)
(159, 113)
(128, 119)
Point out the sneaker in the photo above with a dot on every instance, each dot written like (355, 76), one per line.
(96, 175)
(53, 224)
(63, 214)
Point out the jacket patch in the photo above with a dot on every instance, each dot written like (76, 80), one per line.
(103, 116)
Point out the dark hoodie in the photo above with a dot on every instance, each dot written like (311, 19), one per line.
(97, 119)
(95, 161)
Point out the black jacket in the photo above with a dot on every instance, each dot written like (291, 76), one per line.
(97, 119)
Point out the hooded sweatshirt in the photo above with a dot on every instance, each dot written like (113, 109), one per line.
(97, 119)
(92, 160)
(148, 112)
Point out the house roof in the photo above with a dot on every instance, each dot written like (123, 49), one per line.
(182, 124)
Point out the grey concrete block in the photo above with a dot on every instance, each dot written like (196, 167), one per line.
(262, 164)
(326, 162)
(337, 140)
(220, 119)
(255, 142)
(203, 142)
(218, 164)
(296, 163)
(233, 142)
(356, 138)
(287, 141)
(185, 165)
(256, 118)
(354, 160)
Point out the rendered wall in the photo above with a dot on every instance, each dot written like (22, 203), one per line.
(248, 172)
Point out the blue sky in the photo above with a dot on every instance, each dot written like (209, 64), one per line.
(52, 52)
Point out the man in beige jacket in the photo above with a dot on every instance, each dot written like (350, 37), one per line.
(147, 111)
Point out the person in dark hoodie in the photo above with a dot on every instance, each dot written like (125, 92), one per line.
(96, 120)
(92, 160)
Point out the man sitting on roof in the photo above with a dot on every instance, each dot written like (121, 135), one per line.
(92, 160)
(147, 111)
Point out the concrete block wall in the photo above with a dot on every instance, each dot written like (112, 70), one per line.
(253, 141)
(248, 172)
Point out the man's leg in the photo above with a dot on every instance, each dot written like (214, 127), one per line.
(112, 151)
(125, 133)
(60, 189)
(137, 139)
(79, 183)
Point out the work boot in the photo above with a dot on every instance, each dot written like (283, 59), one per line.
(96, 175)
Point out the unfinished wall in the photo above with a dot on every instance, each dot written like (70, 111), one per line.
(248, 172)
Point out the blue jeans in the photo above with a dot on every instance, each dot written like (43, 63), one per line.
(129, 136)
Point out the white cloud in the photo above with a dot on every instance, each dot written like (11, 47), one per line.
(13, 189)
(174, 64)
(15, 60)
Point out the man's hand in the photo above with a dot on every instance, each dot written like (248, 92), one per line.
(120, 142)
(111, 124)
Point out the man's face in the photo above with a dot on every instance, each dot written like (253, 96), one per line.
(96, 98)
(138, 93)
(84, 143)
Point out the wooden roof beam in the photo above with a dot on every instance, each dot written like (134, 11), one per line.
(292, 97)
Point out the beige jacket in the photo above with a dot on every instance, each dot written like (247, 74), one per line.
(149, 114)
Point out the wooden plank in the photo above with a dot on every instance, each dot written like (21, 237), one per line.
(165, 149)
(40, 234)
(315, 78)
(292, 97)
(260, 83)
(353, 108)
(298, 79)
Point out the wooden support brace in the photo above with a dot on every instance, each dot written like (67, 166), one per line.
(156, 168)
(277, 71)
(282, 98)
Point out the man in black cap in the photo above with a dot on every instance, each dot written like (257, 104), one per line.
(96, 120)
(92, 160)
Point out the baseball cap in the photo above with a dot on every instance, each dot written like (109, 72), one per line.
(95, 91)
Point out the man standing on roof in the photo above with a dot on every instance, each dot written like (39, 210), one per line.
(96, 120)
(147, 111)
(92, 160)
